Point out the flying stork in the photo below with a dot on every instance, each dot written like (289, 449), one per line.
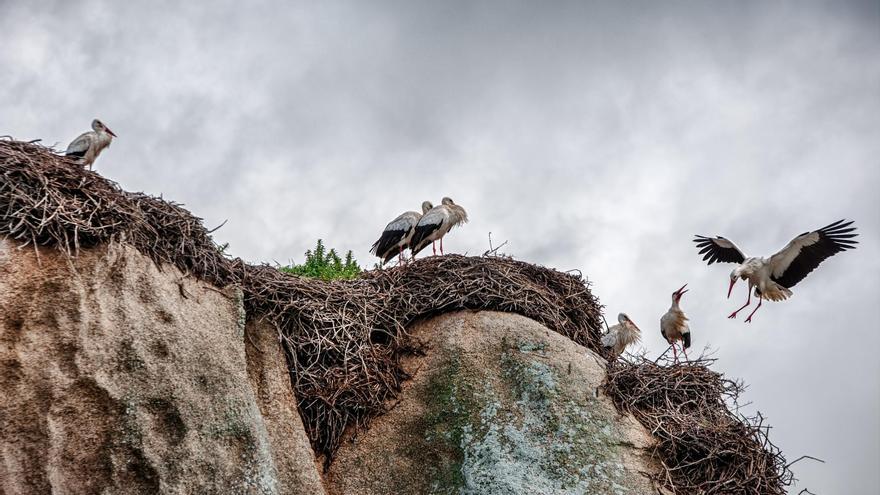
(397, 234)
(673, 325)
(90, 144)
(773, 277)
(435, 223)
(621, 335)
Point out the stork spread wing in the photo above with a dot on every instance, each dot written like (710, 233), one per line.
(804, 253)
(430, 222)
(80, 145)
(719, 249)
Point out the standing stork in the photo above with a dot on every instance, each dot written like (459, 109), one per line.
(673, 325)
(397, 234)
(773, 277)
(435, 223)
(621, 335)
(90, 144)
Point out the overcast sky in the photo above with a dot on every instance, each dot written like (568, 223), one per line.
(589, 135)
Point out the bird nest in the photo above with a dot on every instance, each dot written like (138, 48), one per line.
(704, 444)
(50, 200)
(344, 339)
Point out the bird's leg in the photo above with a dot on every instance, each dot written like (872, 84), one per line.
(674, 353)
(760, 301)
(733, 315)
(441, 246)
(434, 247)
(685, 353)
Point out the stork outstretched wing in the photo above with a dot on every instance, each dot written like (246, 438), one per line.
(805, 252)
(719, 249)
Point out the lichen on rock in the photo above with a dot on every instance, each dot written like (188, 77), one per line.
(499, 406)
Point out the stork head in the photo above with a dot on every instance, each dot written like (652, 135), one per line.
(624, 320)
(426, 205)
(447, 201)
(676, 296)
(734, 275)
(99, 126)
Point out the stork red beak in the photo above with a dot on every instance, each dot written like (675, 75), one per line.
(730, 289)
(109, 131)
(680, 292)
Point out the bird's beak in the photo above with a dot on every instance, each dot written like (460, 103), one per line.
(682, 290)
(730, 289)
(109, 131)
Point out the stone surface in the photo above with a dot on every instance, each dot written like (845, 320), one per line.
(499, 405)
(118, 377)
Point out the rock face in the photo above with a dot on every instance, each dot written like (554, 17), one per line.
(499, 405)
(117, 377)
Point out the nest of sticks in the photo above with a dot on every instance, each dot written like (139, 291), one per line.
(344, 339)
(704, 444)
(50, 200)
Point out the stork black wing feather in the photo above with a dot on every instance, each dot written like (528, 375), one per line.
(386, 243)
(718, 249)
(833, 238)
(422, 232)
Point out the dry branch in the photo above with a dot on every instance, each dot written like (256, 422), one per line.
(705, 445)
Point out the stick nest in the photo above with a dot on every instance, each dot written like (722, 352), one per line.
(344, 339)
(704, 444)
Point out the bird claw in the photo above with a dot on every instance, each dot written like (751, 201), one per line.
(748, 320)
(732, 315)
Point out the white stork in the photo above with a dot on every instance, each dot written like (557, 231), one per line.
(773, 277)
(673, 325)
(397, 234)
(621, 335)
(435, 224)
(90, 144)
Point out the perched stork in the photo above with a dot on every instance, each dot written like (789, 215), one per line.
(773, 277)
(435, 223)
(673, 325)
(621, 335)
(397, 234)
(90, 144)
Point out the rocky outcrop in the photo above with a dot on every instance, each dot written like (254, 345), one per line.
(119, 377)
(498, 405)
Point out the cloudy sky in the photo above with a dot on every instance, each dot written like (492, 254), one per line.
(589, 135)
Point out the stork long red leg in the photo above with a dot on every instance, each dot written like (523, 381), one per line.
(733, 315)
(674, 353)
(441, 246)
(760, 301)
(686, 358)
(434, 247)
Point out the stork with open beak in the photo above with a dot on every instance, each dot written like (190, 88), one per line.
(435, 224)
(89, 145)
(673, 325)
(773, 277)
(621, 335)
(397, 234)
